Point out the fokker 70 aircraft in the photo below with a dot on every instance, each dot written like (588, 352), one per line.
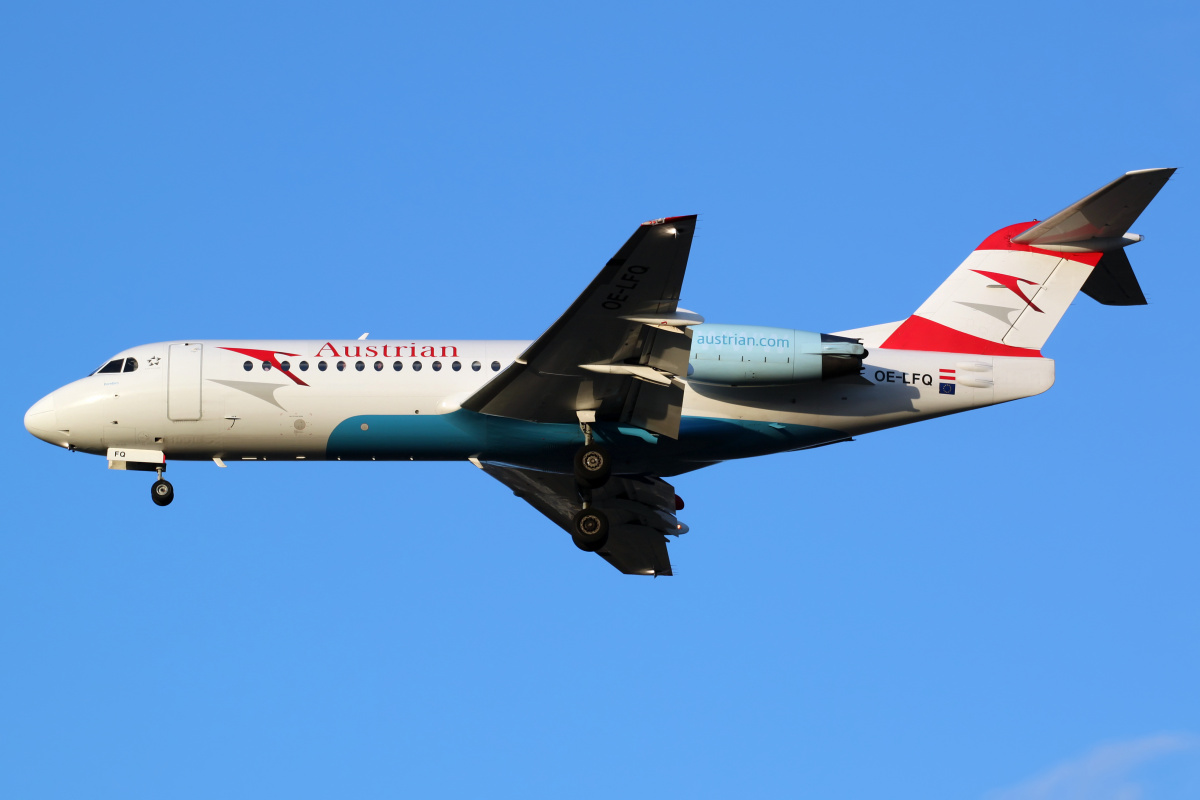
(624, 390)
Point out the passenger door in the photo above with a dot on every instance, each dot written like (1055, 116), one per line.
(183, 381)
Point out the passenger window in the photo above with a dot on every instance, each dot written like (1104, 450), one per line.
(495, 366)
(112, 366)
(358, 365)
(341, 366)
(398, 365)
(266, 366)
(416, 366)
(287, 366)
(321, 365)
(456, 366)
(475, 365)
(130, 365)
(437, 366)
(249, 365)
(304, 366)
(378, 366)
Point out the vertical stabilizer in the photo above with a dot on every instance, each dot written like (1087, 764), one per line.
(1010, 293)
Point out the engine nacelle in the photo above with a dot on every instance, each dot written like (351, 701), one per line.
(753, 355)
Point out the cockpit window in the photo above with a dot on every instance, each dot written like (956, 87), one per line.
(112, 366)
(130, 365)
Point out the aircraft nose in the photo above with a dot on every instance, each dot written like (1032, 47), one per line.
(42, 421)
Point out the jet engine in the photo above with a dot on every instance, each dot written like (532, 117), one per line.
(752, 355)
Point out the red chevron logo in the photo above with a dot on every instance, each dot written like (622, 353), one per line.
(269, 357)
(1013, 284)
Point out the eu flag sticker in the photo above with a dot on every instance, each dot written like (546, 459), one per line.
(945, 388)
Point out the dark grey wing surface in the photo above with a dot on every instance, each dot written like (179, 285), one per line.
(619, 350)
(640, 510)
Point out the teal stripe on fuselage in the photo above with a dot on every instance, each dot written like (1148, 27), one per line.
(464, 434)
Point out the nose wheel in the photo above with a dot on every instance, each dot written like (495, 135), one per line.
(162, 492)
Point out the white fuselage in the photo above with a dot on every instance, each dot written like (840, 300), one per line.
(390, 400)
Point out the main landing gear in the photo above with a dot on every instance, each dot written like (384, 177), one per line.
(591, 530)
(592, 470)
(162, 492)
(592, 466)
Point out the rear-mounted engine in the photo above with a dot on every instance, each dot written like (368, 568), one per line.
(751, 355)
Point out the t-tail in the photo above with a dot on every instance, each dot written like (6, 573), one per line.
(1006, 298)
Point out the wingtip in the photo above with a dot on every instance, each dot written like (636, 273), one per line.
(662, 220)
(1168, 170)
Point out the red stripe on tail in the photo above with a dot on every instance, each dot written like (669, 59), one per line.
(918, 333)
(1002, 240)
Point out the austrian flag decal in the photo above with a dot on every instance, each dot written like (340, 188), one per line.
(946, 381)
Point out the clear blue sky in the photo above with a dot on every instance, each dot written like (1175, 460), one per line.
(1001, 605)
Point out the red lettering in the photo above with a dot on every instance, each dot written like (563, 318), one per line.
(332, 351)
(385, 355)
(355, 354)
(452, 354)
(428, 352)
(371, 351)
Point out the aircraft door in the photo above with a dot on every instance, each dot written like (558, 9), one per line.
(183, 381)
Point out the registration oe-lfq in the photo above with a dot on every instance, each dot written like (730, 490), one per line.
(625, 389)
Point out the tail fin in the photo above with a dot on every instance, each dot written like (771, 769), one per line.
(1008, 295)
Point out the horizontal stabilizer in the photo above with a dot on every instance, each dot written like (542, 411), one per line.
(1113, 283)
(1106, 213)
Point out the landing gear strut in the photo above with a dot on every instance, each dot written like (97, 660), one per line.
(162, 492)
(592, 469)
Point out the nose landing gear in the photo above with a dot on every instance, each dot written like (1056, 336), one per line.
(162, 492)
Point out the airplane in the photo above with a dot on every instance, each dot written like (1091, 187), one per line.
(624, 390)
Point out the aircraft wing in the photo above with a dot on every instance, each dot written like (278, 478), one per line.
(641, 511)
(618, 351)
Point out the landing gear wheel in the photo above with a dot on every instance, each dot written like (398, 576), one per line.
(162, 493)
(591, 530)
(592, 466)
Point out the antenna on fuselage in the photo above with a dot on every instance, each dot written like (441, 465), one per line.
(365, 335)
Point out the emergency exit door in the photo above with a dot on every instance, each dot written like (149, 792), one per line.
(183, 381)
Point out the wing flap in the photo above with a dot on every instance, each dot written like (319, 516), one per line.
(655, 408)
(634, 551)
